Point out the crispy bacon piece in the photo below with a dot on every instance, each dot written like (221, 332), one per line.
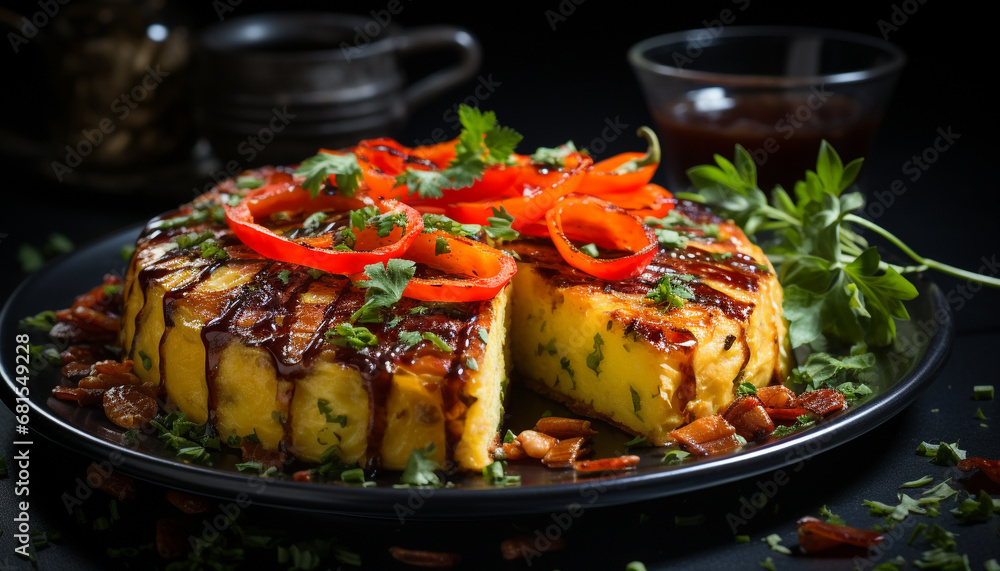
(82, 397)
(94, 316)
(707, 435)
(777, 396)
(786, 414)
(565, 452)
(822, 402)
(603, 464)
(817, 535)
(989, 467)
(108, 374)
(561, 427)
(188, 503)
(426, 559)
(128, 406)
(748, 417)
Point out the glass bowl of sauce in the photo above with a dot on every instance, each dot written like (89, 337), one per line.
(777, 90)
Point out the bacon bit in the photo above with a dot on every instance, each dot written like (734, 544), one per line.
(707, 435)
(989, 467)
(188, 503)
(602, 464)
(128, 406)
(777, 396)
(428, 559)
(822, 402)
(536, 444)
(75, 371)
(82, 397)
(110, 373)
(785, 413)
(170, 538)
(524, 546)
(94, 316)
(302, 476)
(111, 482)
(748, 417)
(561, 427)
(84, 354)
(513, 451)
(565, 452)
(817, 535)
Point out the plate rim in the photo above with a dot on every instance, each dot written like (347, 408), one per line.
(473, 503)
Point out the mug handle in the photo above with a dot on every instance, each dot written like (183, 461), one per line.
(437, 37)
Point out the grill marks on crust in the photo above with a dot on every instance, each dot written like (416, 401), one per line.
(264, 311)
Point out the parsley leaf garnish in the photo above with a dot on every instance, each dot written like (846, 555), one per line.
(384, 287)
(318, 168)
(420, 468)
(482, 142)
(553, 156)
(672, 290)
(445, 224)
(836, 286)
(499, 225)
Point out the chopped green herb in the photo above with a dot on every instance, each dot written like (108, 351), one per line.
(745, 389)
(823, 369)
(975, 510)
(742, 539)
(918, 483)
(499, 227)
(147, 362)
(591, 250)
(496, 474)
(443, 223)
(943, 454)
(470, 363)
(420, 468)
(635, 566)
(324, 408)
(979, 414)
(638, 442)
(553, 156)
(636, 403)
(672, 290)
(441, 246)
(982, 392)
(251, 467)
(767, 564)
(318, 168)
(384, 286)
(509, 438)
(774, 541)
(283, 275)
(314, 220)
(353, 476)
(248, 182)
(831, 517)
(675, 456)
(594, 359)
(127, 251)
(484, 335)
(43, 321)
(347, 335)
(437, 341)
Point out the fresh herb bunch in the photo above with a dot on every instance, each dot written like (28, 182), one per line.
(837, 287)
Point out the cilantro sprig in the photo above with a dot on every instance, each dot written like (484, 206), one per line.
(318, 168)
(837, 287)
(482, 142)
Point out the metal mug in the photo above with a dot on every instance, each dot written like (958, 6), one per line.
(277, 87)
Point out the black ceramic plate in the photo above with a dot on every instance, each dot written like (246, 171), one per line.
(904, 371)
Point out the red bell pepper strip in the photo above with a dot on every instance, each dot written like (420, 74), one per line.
(817, 535)
(589, 219)
(312, 251)
(989, 467)
(466, 270)
(624, 172)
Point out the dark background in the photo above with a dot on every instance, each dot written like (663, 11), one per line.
(563, 84)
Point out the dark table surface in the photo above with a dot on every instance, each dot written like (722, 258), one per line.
(560, 84)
